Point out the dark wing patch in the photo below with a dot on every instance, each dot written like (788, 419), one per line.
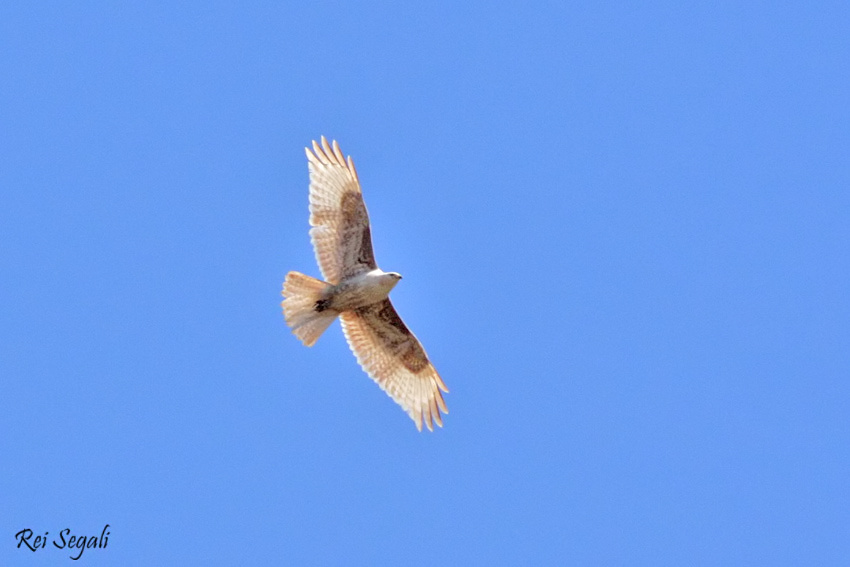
(355, 236)
(397, 337)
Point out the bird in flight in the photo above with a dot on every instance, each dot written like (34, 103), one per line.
(356, 291)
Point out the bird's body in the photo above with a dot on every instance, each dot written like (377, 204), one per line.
(360, 290)
(357, 291)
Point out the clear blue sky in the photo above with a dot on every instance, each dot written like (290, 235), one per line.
(624, 232)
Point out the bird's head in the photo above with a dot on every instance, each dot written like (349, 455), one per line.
(392, 278)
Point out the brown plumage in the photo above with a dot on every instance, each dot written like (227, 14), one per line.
(356, 291)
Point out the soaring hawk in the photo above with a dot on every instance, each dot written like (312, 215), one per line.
(356, 291)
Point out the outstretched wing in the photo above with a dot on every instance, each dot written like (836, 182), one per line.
(393, 358)
(340, 234)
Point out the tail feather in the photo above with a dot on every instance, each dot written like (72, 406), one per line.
(300, 296)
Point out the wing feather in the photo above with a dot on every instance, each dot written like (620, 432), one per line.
(340, 230)
(396, 361)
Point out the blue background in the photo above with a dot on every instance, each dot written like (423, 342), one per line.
(623, 230)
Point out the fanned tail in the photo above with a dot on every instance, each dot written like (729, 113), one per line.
(302, 307)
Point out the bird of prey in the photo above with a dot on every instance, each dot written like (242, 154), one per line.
(356, 291)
